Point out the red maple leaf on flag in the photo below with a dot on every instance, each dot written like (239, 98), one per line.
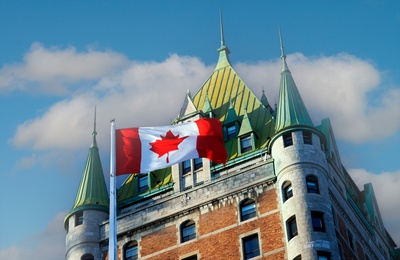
(168, 143)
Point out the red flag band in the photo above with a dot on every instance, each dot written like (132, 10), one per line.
(145, 149)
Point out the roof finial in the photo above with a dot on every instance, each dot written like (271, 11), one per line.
(283, 55)
(94, 133)
(281, 41)
(94, 124)
(221, 27)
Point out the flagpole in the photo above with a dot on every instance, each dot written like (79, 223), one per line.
(112, 241)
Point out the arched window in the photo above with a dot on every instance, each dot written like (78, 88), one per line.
(131, 251)
(287, 190)
(312, 184)
(188, 231)
(247, 209)
(87, 257)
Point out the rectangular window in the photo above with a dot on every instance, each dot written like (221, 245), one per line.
(79, 218)
(143, 183)
(198, 163)
(188, 231)
(186, 166)
(287, 191)
(287, 140)
(251, 246)
(317, 218)
(247, 209)
(307, 137)
(230, 132)
(131, 253)
(291, 226)
(245, 144)
(312, 184)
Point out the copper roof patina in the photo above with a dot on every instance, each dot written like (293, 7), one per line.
(232, 100)
(291, 110)
(92, 192)
(225, 96)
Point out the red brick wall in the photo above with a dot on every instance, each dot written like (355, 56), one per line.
(224, 244)
(217, 219)
(159, 240)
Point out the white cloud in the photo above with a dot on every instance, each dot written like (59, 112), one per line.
(386, 187)
(50, 70)
(146, 93)
(48, 245)
(141, 94)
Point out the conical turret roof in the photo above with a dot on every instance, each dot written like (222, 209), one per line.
(92, 192)
(291, 110)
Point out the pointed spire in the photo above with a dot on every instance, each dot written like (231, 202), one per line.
(291, 109)
(223, 60)
(94, 133)
(221, 27)
(283, 56)
(92, 192)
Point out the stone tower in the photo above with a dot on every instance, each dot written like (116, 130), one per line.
(302, 175)
(90, 209)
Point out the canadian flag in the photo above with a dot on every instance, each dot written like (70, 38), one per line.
(145, 149)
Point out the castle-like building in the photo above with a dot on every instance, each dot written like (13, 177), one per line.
(283, 194)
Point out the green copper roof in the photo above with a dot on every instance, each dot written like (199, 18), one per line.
(129, 190)
(245, 127)
(232, 101)
(207, 106)
(92, 191)
(291, 110)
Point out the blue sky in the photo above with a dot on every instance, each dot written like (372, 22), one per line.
(135, 60)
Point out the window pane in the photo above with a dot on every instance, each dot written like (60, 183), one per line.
(79, 218)
(288, 191)
(198, 163)
(291, 228)
(131, 253)
(312, 184)
(287, 140)
(251, 247)
(245, 144)
(186, 167)
(248, 209)
(307, 137)
(188, 231)
(231, 131)
(317, 221)
(143, 183)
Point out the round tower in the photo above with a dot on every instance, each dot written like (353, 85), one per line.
(90, 209)
(302, 176)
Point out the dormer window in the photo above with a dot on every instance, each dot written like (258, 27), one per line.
(245, 144)
(230, 132)
(143, 183)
